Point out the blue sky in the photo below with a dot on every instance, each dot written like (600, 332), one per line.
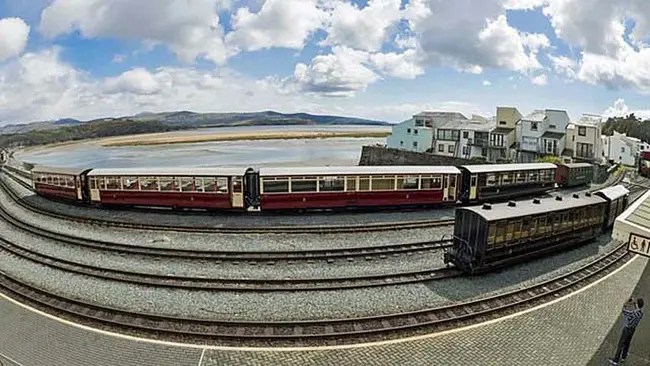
(383, 59)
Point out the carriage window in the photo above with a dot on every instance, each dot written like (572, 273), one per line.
(209, 184)
(149, 184)
(506, 179)
(222, 185)
(129, 183)
(566, 223)
(518, 229)
(198, 184)
(168, 184)
(351, 183)
(303, 184)
(276, 185)
(452, 180)
(473, 181)
(93, 183)
(526, 227)
(364, 183)
(434, 182)
(187, 184)
(71, 181)
(330, 184)
(385, 183)
(510, 232)
(501, 232)
(491, 180)
(492, 230)
(237, 186)
(541, 224)
(521, 177)
(407, 182)
(113, 183)
(532, 176)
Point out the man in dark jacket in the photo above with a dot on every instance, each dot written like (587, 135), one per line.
(632, 314)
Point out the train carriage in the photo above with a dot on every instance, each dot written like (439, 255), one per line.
(644, 164)
(490, 236)
(576, 174)
(617, 200)
(64, 183)
(203, 188)
(357, 186)
(503, 181)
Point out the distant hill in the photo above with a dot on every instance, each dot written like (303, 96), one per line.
(187, 119)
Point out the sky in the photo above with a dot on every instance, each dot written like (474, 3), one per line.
(378, 59)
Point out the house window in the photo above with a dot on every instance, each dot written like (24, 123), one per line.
(415, 144)
(465, 150)
(484, 151)
(551, 126)
(623, 149)
(450, 148)
(415, 132)
(533, 126)
(441, 148)
(503, 123)
(401, 143)
(408, 130)
(465, 134)
(582, 131)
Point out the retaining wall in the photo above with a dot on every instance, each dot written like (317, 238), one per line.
(379, 155)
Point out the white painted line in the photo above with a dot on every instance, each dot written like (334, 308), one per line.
(285, 349)
(201, 359)
(10, 359)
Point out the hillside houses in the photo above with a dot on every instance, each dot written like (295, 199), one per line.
(511, 137)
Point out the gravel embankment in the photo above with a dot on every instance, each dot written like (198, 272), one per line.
(227, 269)
(299, 305)
(248, 219)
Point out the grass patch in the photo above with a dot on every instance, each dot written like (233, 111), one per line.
(161, 139)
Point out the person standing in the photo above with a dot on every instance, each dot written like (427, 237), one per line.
(632, 314)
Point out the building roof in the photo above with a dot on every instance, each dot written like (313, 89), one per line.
(536, 116)
(441, 114)
(467, 125)
(613, 193)
(589, 120)
(502, 211)
(359, 170)
(57, 170)
(489, 168)
(553, 135)
(502, 130)
(193, 172)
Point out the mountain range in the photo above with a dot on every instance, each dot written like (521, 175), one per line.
(189, 119)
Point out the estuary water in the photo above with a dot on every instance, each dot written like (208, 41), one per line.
(255, 153)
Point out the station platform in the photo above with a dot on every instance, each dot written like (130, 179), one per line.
(579, 329)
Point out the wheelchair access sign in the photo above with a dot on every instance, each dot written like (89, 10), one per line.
(639, 244)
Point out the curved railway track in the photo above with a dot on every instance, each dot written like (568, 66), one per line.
(331, 331)
(303, 229)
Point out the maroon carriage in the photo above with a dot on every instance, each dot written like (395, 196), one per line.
(63, 183)
(357, 186)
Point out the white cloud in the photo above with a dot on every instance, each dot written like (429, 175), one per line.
(471, 34)
(14, 33)
(364, 28)
(189, 28)
(279, 23)
(486, 83)
(524, 4)
(540, 80)
(564, 66)
(118, 58)
(621, 109)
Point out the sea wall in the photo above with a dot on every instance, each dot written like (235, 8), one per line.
(379, 155)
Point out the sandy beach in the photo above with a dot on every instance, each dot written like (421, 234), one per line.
(170, 138)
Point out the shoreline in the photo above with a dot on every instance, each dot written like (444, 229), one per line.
(167, 140)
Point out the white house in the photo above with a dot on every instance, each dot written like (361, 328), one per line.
(411, 136)
(464, 138)
(620, 148)
(418, 133)
(542, 132)
(584, 141)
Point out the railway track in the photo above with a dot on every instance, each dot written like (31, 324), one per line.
(303, 229)
(302, 333)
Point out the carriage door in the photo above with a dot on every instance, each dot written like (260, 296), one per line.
(452, 186)
(473, 186)
(445, 187)
(237, 195)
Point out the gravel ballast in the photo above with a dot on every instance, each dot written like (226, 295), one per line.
(299, 305)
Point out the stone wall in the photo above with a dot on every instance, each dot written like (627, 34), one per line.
(379, 155)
